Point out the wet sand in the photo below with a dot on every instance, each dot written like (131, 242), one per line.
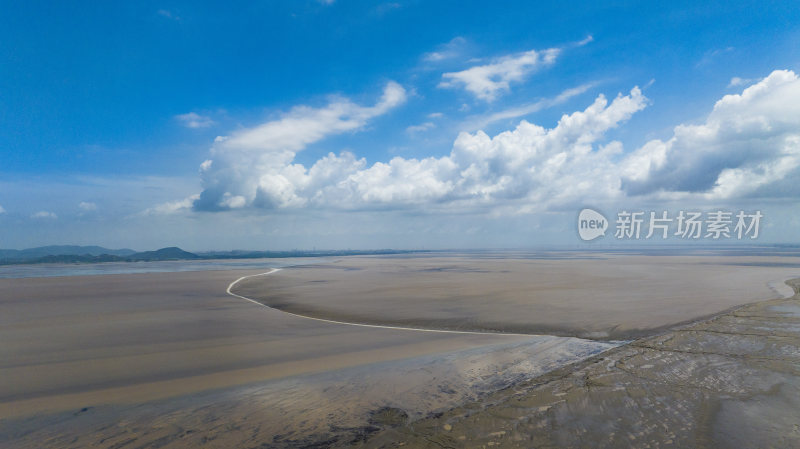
(614, 297)
(132, 338)
(729, 382)
(171, 360)
(84, 357)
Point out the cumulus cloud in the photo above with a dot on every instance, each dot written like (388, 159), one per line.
(488, 81)
(253, 166)
(748, 141)
(529, 167)
(748, 146)
(194, 120)
(43, 214)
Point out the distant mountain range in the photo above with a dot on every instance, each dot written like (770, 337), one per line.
(88, 254)
(60, 250)
(97, 254)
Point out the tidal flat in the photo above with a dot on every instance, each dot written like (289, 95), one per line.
(172, 360)
(729, 382)
(593, 295)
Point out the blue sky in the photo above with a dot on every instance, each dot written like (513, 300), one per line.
(110, 113)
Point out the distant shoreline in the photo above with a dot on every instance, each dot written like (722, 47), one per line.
(69, 254)
(175, 254)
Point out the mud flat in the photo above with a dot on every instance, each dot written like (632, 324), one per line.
(171, 360)
(329, 408)
(594, 295)
(729, 382)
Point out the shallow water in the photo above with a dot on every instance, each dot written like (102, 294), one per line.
(172, 266)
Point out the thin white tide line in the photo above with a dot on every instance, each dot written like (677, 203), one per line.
(376, 326)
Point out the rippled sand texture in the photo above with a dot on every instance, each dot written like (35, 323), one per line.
(600, 296)
(730, 382)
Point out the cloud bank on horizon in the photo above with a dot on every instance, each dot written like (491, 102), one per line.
(748, 146)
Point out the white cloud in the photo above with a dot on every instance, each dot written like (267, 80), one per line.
(87, 206)
(253, 166)
(529, 168)
(2, 210)
(172, 207)
(304, 125)
(478, 122)
(420, 128)
(748, 141)
(44, 215)
(736, 81)
(488, 81)
(749, 146)
(194, 120)
(446, 51)
(435, 115)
